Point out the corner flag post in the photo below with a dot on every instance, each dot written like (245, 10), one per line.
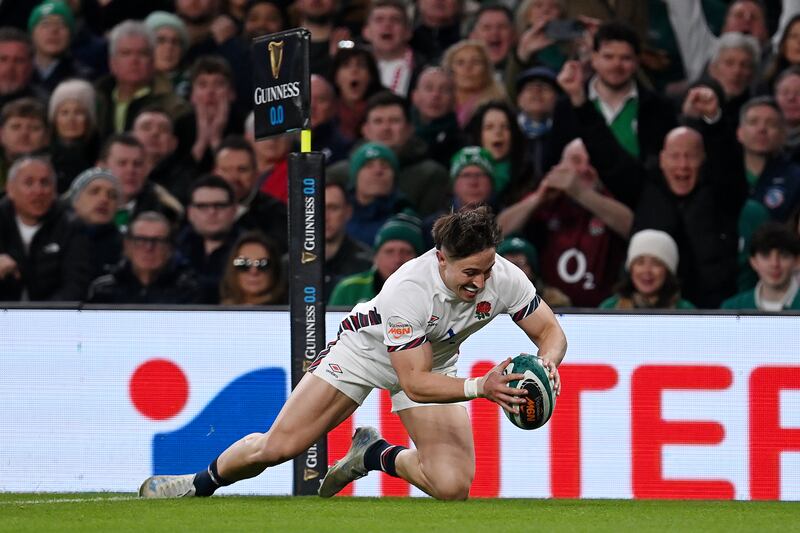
(281, 104)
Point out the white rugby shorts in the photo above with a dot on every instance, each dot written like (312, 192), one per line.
(356, 377)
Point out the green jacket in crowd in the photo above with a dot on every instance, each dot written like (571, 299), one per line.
(354, 289)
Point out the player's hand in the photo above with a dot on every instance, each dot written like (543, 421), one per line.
(494, 386)
(571, 81)
(552, 369)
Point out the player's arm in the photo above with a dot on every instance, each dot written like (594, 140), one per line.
(413, 368)
(544, 330)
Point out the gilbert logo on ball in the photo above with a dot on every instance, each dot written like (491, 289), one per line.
(540, 401)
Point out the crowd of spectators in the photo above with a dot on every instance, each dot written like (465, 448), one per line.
(638, 153)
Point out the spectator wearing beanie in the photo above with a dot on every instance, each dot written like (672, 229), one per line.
(650, 280)
(523, 254)
(73, 119)
(774, 253)
(52, 26)
(398, 241)
(372, 190)
(471, 179)
(94, 196)
(172, 42)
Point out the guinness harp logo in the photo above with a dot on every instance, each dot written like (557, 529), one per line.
(308, 257)
(275, 57)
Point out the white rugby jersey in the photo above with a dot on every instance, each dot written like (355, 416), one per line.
(415, 307)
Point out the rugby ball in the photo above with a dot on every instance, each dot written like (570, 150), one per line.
(540, 401)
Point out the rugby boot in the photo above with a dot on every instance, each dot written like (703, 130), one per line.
(351, 466)
(168, 487)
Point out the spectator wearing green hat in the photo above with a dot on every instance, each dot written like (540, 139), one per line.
(472, 182)
(52, 26)
(522, 253)
(422, 180)
(398, 241)
(172, 42)
(373, 192)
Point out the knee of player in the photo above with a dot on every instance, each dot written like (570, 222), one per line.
(454, 487)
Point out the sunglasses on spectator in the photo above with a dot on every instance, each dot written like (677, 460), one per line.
(209, 206)
(243, 264)
(139, 240)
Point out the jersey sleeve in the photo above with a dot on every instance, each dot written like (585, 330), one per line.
(518, 292)
(405, 307)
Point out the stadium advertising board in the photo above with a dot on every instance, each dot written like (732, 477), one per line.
(652, 406)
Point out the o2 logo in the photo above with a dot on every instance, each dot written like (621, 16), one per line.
(276, 115)
(579, 273)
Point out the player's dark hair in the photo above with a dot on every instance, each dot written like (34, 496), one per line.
(617, 31)
(774, 236)
(466, 232)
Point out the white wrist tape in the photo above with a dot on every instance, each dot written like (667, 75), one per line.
(471, 388)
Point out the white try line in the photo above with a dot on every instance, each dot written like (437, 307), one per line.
(69, 500)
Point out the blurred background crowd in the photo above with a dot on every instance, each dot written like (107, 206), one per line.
(638, 153)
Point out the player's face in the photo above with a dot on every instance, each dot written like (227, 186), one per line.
(466, 276)
(774, 268)
(648, 275)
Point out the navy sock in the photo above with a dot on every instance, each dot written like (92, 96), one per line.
(381, 456)
(207, 481)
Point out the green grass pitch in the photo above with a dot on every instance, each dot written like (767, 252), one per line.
(124, 512)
